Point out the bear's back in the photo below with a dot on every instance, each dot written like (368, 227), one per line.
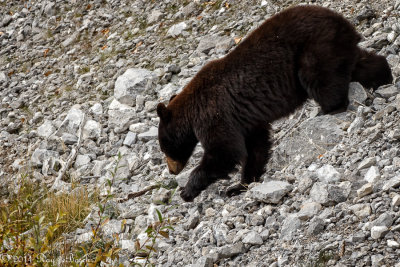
(298, 26)
(259, 79)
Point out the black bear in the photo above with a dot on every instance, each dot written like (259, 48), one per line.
(302, 52)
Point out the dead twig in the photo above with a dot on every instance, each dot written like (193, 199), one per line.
(139, 193)
(58, 181)
(292, 126)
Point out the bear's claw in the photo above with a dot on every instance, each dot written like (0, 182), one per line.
(235, 190)
(187, 194)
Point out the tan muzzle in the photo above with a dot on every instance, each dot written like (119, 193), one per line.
(175, 167)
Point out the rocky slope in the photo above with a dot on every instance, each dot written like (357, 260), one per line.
(85, 77)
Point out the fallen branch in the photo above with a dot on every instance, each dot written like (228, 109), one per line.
(139, 193)
(90, 177)
(58, 181)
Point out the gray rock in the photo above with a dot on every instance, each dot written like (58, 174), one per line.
(377, 260)
(366, 163)
(356, 94)
(133, 82)
(50, 9)
(71, 39)
(14, 127)
(357, 124)
(289, 227)
(177, 29)
(130, 139)
(91, 130)
(358, 237)
(385, 219)
(155, 16)
(69, 139)
(85, 237)
(167, 91)
(222, 43)
(71, 122)
(271, 192)
(17, 104)
(309, 210)
(173, 68)
(378, 232)
(46, 129)
(96, 109)
(38, 116)
(361, 210)
(312, 138)
(138, 127)
(190, 8)
(81, 160)
(366, 13)
(152, 133)
(220, 232)
(387, 91)
(3, 77)
(396, 200)
(112, 227)
(193, 221)
(204, 261)
(120, 116)
(395, 134)
(40, 155)
(316, 226)
(6, 20)
(393, 244)
(392, 183)
(304, 184)
(128, 245)
(150, 106)
(265, 234)
(231, 250)
(327, 194)
(253, 238)
(328, 174)
(391, 37)
(372, 175)
(365, 190)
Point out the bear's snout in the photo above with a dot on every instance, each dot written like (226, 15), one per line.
(175, 167)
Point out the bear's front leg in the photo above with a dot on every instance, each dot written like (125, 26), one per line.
(216, 164)
(197, 182)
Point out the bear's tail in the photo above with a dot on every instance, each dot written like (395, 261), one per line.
(371, 70)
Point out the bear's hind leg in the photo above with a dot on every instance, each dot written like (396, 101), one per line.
(216, 164)
(258, 147)
(325, 73)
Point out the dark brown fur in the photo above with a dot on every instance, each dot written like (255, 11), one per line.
(302, 52)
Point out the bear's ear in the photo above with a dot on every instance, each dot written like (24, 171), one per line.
(172, 97)
(164, 113)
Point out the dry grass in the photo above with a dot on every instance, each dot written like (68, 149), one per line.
(33, 221)
(75, 206)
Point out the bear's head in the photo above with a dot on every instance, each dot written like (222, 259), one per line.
(176, 138)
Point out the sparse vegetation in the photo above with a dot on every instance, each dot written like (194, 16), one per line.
(49, 33)
(34, 225)
(84, 69)
(324, 257)
(156, 230)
